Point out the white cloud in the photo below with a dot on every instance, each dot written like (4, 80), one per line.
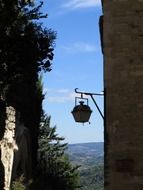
(54, 90)
(61, 97)
(80, 47)
(63, 90)
(75, 4)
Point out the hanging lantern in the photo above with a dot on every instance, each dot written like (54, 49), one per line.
(81, 112)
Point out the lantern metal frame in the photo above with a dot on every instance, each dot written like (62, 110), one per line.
(81, 98)
(92, 97)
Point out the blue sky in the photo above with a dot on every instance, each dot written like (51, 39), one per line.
(77, 63)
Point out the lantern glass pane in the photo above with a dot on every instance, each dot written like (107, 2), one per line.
(81, 116)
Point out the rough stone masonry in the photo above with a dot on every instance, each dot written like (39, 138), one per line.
(123, 79)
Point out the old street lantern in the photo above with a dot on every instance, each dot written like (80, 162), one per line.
(81, 112)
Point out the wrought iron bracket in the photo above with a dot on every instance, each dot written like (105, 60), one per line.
(92, 97)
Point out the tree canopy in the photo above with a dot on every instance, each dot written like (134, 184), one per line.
(26, 49)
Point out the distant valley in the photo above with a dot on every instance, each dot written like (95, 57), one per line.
(90, 157)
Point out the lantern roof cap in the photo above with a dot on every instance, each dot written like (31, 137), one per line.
(82, 107)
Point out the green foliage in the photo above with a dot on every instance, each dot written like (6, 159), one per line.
(92, 178)
(18, 184)
(55, 170)
(25, 46)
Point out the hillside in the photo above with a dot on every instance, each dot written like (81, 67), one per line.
(90, 158)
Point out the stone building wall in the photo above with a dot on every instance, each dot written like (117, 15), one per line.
(123, 59)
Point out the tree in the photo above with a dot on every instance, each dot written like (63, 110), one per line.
(54, 169)
(26, 49)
